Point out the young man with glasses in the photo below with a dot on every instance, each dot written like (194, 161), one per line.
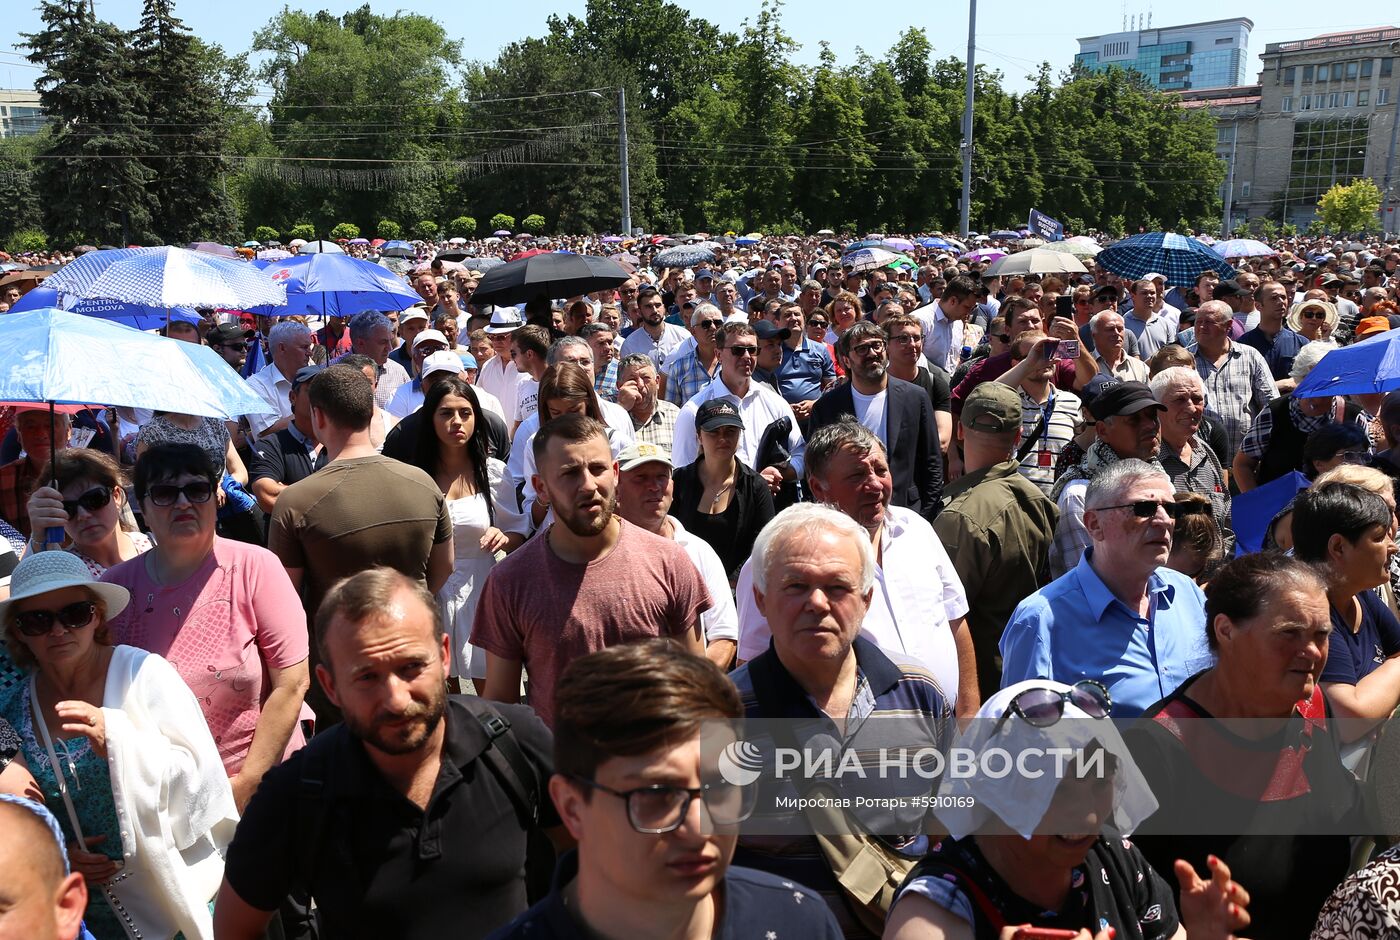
(1120, 616)
(656, 828)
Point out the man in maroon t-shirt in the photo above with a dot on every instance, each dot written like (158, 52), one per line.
(588, 582)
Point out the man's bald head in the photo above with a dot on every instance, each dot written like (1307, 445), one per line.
(39, 900)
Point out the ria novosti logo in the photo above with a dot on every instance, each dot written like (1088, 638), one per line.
(740, 763)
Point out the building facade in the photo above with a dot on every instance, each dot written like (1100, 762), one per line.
(1176, 58)
(20, 113)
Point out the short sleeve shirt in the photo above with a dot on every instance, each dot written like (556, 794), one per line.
(1352, 657)
(221, 628)
(645, 587)
(1061, 426)
(284, 457)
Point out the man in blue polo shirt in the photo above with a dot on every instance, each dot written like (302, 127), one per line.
(807, 369)
(1119, 616)
(655, 827)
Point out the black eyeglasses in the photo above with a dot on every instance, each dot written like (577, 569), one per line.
(166, 494)
(1043, 707)
(659, 809)
(1146, 508)
(93, 500)
(72, 617)
(741, 351)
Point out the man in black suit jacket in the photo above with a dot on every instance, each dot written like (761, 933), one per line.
(898, 412)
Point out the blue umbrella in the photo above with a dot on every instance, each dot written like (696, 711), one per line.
(136, 316)
(1372, 365)
(1004, 234)
(334, 285)
(254, 362)
(746, 241)
(398, 249)
(682, 256)
(167, 277)
(1251, 512)
(58, 357)
(1180, 258)
(933, 243)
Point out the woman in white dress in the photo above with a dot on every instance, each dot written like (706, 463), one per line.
(453, 447)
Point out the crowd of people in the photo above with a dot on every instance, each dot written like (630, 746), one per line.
(430, 647)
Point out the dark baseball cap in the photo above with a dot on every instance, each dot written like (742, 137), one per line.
(766, 329)
(1228, 289)
(992, 407)
(1095, 386)
(718, 413)
(306, 374)
(1124, 398)
(225, 333)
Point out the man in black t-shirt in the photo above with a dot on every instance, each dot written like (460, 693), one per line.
(411, 818)
(290, 455)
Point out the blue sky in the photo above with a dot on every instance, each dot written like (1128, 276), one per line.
(1013, 35)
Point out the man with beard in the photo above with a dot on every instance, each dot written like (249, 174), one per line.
(899, 413)
(390, 821)
(589, 581)
(654, 338)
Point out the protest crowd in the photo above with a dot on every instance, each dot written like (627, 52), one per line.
(417, 624)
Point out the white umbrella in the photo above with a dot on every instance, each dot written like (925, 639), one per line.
(320, 246)
(1036, 261)
(296, 243)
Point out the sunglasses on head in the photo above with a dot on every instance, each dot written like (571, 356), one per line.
(71, 616)
(167, 494)
(1041, 708)
(1147, 508)
(93, 500)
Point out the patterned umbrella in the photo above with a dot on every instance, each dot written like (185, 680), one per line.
(273, 254)
(1179, 258)
(167, 277)
(682, 256)
(1242, 248)
(899, 244)
(868, 259)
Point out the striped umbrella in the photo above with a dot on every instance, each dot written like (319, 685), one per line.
(1179, 258)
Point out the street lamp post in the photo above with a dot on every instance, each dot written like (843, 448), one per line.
(622, 158)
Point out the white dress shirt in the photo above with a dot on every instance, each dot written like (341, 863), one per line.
(500, 377)
(943, 338)
(917, 594)
(275, 389)
(758, 409)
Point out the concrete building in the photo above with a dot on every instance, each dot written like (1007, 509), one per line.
(20, 113)
(1236, 113)
(1176, 58)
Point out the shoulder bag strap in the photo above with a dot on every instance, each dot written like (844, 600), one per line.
(508, 763)
(37, 716)
(1029, 443)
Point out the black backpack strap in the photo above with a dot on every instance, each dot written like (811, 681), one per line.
(508, 762)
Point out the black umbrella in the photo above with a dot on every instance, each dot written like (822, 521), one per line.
(833, 244)
(551, 275)
(452, 254)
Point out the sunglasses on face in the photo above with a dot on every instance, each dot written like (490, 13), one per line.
(741, 351)
(167, 494)
(1314, 315)
(711, 324)
(813, 324)
(93, 500)
(1147, 508)
(72, 617)
(1041, 708)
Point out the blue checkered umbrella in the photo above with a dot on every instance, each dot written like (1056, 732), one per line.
(1179, 258)
(682, 256)
(167, 277)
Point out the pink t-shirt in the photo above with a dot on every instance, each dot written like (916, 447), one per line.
(221, 629)
(546, 612)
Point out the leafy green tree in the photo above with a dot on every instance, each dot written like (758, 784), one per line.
(346, 230)
(426, 230)
(533, 223)
(502, 222)
(388, 229)
(1288, 230)
(265, 233)
(19, 192)
(92, 177)
(184, 109)
(1351, 207)
(463, 226)
(29, 239)
(303, 230)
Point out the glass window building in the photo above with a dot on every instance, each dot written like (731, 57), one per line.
(1177, 58)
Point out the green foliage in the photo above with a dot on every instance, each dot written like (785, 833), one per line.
(501, 221)
(426, 230)
(533, 223)
(1266, 229)
(30, 239)
(345, 230)
(388, 229)
(265, 233)
(1316, 227)
(303, 230)
(463, 226)
(1351, 207)
(1288, 230)
(18, 191)
(1116, 226)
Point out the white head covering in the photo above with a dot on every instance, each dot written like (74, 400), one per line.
(1021, 799)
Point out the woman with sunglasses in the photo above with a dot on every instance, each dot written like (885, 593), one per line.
(1198, 545)
(120, 754)
(223, 612)
(88, 505)
(1046, 849)
(1244, 758)
(1314, 319)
